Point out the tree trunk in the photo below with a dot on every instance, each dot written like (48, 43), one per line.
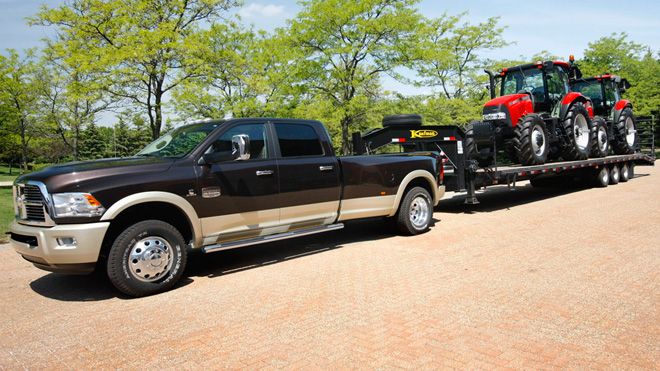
(346, 123)
(24, 149)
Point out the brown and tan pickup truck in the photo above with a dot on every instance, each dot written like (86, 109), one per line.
(211, 185)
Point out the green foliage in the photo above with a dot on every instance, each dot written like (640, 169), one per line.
(6, 213)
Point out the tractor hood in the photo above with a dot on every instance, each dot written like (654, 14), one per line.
(504, 100)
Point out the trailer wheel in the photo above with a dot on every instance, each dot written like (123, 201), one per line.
(615, 175)
(577, 129)
(600, 144)
(415, 212)
(631, 170)
(625, 133)
(402, 120)
(531, 140)
(624, 173)
(602, 177)
(147, 258)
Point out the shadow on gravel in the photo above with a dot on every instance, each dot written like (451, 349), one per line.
(97, 287)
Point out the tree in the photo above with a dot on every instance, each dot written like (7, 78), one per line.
(613, 54)
(93, 145)
(19, 86)
(345, 46)
(136, 48)
(447, 55)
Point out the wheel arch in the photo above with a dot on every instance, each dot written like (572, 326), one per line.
(415, 178)
(164, 206)
(569, 101)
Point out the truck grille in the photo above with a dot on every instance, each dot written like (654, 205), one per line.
(30, 203)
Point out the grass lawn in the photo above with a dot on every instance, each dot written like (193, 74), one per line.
(6, 213)
(4, 173)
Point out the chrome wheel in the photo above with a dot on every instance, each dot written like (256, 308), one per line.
(630, 131)
(419, 212)
(538, 140)
(602, 138)
(581, 132)
(150, 259)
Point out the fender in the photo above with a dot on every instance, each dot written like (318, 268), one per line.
(436, 195)
(619, 107)
(164, 197)
(574, 97)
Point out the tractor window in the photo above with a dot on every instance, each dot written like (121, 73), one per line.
(590, 90)
(530, 80)
(610, 95)
(557, 84)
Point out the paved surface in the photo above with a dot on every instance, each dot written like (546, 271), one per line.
(530, 279)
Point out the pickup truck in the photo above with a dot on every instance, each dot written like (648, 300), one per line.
(211, 185)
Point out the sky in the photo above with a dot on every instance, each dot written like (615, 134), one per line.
(560, 27)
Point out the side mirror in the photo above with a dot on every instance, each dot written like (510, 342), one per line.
(240, 147)
(624, 85)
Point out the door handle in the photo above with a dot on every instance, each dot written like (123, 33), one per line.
(326, 168)
(264, 172)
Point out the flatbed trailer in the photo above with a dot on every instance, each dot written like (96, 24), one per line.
(463, 174)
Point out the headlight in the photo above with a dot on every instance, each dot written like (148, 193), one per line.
(495, 116)
(76, 204)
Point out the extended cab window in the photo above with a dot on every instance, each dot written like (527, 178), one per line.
(298, 140)
(257, 134)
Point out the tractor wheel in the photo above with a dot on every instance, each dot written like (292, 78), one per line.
(624, 173)
(600, 144)
(615, 175)
(577, 128)
(625, 133)
(531, 140)
(483, 156)
(510, 151)
(402, 120)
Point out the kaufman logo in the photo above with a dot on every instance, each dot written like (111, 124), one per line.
(422, 134)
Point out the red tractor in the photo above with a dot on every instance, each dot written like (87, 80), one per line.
(535, 118)
(620, 132)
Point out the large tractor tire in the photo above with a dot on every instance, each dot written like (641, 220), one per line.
(577, 128)
(531, 140)
(600, 144)
(625, 133)
(402, 120)
(483, 156)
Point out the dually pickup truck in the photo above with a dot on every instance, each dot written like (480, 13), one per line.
(211, 185)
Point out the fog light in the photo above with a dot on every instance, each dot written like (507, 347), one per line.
(66, 241)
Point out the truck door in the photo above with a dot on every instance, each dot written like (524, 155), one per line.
(239, 198)
(309, 176)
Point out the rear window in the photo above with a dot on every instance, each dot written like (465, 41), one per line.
(298, 140)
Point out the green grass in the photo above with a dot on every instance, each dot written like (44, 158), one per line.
(6, 213)
(4, 173)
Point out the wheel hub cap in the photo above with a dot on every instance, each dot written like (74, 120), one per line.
(538, 141)
(150, 258)
(630, 132)
(602, 138)
(581, 131)
(419, 212)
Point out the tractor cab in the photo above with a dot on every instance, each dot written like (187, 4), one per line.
(603, 90)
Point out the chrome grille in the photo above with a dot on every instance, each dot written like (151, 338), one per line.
(30, 203)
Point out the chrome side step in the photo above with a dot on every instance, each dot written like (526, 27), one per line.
(274, 237)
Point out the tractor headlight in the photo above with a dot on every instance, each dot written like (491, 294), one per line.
(76, 204)
(495, 116)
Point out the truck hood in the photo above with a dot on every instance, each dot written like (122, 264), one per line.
(73, 176)
(505, 99)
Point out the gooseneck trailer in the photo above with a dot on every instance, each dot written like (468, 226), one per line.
(464, 174)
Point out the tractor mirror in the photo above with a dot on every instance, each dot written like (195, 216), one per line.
(624, 85)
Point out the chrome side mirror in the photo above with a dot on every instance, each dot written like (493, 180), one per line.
(240, 147)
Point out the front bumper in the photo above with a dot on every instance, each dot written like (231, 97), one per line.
(39, 245)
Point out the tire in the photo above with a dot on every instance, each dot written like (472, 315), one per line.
(510, 151)
(415, 212)
(531, 140)
(631, 170)
(149, 241)
(600, 145)
(625, 133)
(577, 128)
(624, 173)
(602, 177)
(402, 120)
(484, 156)
(615, 175)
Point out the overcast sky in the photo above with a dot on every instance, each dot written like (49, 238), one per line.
(561, 27)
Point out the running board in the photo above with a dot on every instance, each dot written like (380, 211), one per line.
(271, 238)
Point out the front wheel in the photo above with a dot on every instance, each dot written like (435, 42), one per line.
(531, 141)
(599, 141)
(625, 133)
(577, 133)
(415, 212)
(146, 258)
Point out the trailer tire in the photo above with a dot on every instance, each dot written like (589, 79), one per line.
(147, 258)
(615, 174)
(402, 120)
(415, 212)
(602, 177)
(625, 133)
(600, 144)
(531, 140)
(577, 129)
(631, 170)
(624, 173)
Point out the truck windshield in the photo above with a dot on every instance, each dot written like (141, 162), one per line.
(179, 142)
